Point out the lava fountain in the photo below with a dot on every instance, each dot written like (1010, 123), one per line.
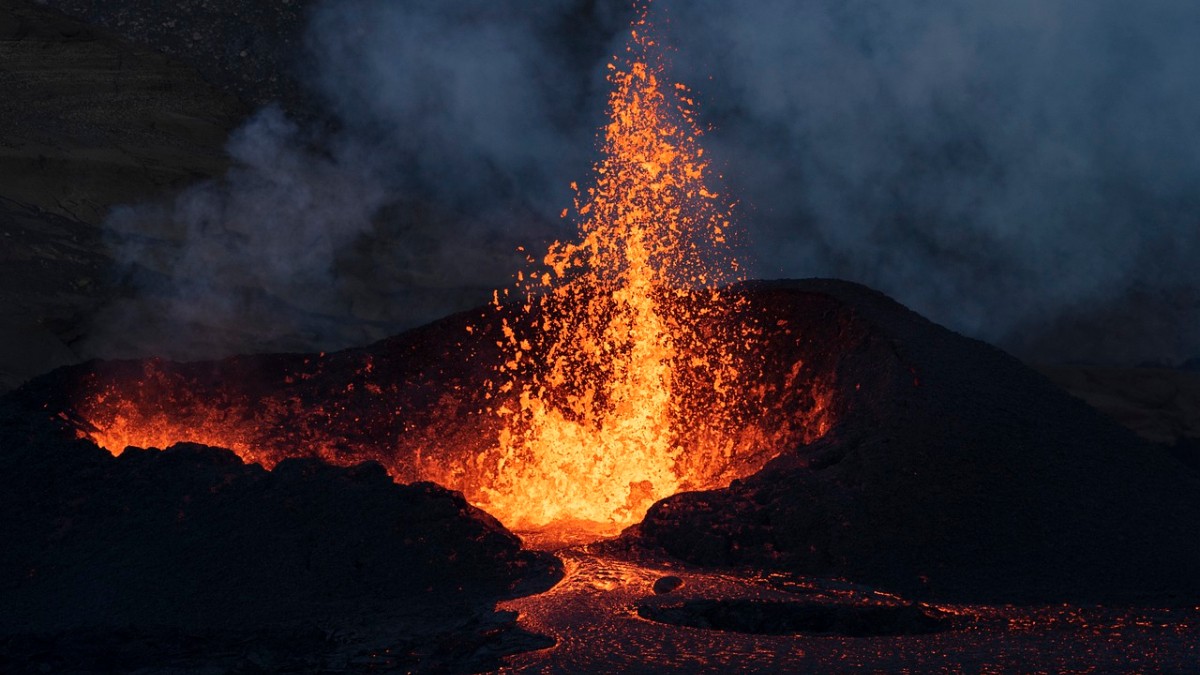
(623, 367)
(605, 410)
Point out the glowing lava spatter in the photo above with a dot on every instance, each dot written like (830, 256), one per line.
(601, 417)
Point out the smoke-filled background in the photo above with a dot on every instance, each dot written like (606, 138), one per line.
(1025, 172)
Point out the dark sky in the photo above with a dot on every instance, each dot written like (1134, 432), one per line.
(1025, 172)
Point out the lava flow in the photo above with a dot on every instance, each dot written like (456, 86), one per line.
(623, 368)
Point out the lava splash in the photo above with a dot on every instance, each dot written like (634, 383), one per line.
(623, 393)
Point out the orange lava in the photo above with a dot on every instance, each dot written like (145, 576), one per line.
(602, 421)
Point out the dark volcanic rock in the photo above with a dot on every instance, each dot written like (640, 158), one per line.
(188, 558)
(667, 584)
(951, 471)
(193, 538)
(87, 121)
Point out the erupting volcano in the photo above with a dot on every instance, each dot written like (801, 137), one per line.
(706, 473)
(626, 370)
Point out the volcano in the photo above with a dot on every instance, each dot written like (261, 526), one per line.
(947, 467)
(948, 472)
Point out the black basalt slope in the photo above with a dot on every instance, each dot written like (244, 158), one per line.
(951, 471)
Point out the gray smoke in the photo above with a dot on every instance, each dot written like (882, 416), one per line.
(482, 102)
(1025, 172)
(448, 137)
(248, 259)
(1000, 167)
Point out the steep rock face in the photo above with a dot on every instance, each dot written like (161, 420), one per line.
(91, 121)
(191, 538)
(952, 471)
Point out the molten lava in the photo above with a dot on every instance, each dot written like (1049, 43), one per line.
(626, 369)
(608, 397)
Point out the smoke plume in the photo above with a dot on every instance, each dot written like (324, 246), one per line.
(1025, 172)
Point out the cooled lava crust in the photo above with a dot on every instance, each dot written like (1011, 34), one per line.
(192, 539)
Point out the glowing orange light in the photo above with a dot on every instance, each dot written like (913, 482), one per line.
(601, 422)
